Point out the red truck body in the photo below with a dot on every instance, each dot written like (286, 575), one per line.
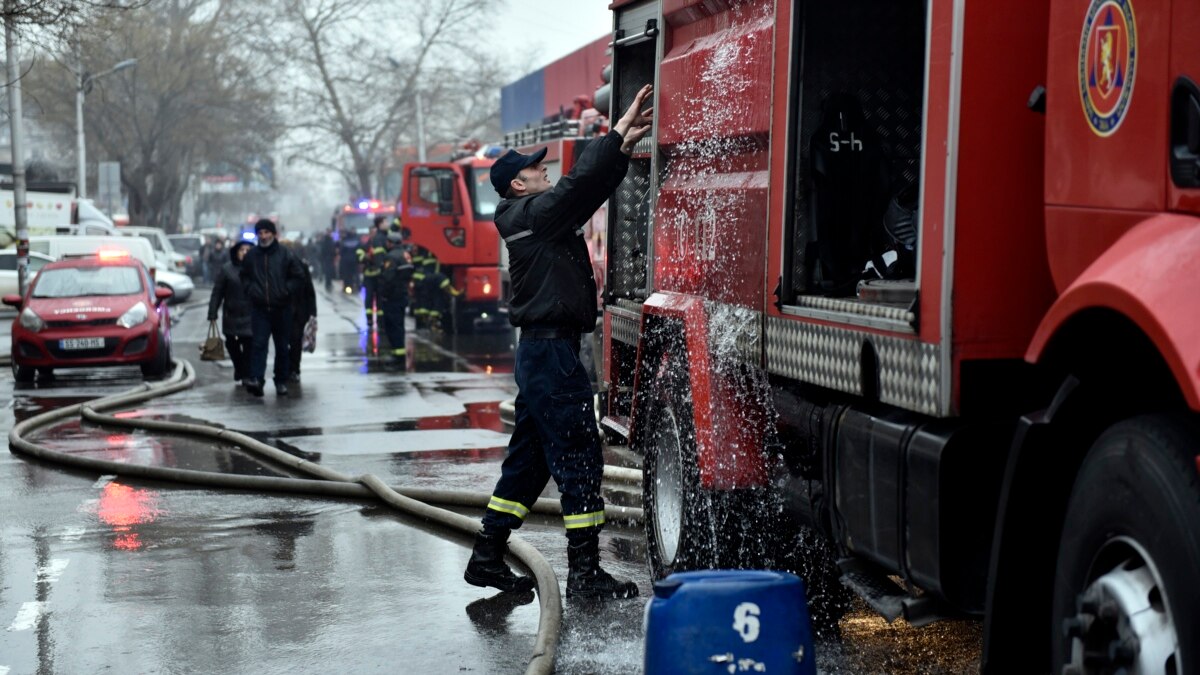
(1031, 170)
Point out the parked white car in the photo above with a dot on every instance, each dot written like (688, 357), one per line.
(8, 269)
(180, 284)
(164, 252)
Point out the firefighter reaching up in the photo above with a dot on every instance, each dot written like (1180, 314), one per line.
(554, 305)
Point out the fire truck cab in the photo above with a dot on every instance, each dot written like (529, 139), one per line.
(921, 277)
(448, 208)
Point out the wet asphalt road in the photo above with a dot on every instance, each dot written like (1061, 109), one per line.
(98, 573)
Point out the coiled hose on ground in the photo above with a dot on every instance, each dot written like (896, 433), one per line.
(330, 484)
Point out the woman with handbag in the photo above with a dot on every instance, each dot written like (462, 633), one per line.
(235, 317)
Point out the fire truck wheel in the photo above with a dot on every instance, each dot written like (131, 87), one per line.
(1126, 598)
(687, 527)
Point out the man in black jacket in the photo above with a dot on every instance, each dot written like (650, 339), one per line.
(272, 278)
(554, 304)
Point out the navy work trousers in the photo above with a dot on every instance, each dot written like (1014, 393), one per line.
(393, 323)
(371, 296)
(555, 436)
(270, 324)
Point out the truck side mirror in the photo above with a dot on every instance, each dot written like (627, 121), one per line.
(13, 301)
(445, 185)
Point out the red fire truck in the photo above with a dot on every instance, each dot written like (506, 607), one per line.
(448, 209)
(924, 276)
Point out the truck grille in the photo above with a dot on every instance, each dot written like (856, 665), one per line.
(72, 324)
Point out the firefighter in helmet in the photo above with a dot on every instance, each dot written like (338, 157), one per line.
(437, 291)
(396, 273)
(420, 297)
(370, 259)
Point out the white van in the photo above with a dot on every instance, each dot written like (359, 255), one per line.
(168, 259)
(137, 247)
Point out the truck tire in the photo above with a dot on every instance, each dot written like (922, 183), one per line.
(687, 526)
(23, 374)
(1126, 597)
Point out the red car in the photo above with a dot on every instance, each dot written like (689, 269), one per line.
(99, 310)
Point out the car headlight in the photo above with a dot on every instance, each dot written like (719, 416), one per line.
(31, 321)
(133, 316)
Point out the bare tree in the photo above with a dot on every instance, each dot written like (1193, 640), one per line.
(200, 94)
(356, 97)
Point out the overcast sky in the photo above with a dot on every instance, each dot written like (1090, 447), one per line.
(551, 28)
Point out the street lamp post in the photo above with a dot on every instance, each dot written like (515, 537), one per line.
(83, 83)
(396, 65)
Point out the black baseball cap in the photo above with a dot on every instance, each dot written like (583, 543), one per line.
(509, 165)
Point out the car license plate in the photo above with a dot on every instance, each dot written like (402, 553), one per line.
(82, 343)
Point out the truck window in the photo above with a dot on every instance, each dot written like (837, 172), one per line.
(427, 189)
(153, 239)
(857, 161)
(484, 199)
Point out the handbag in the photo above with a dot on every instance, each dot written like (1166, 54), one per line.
(309, 342)
(212, 349)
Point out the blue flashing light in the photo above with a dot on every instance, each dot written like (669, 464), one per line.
(248, 236)
(364, 204)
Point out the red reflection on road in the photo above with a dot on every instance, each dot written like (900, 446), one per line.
(477, 416)
(122, 507)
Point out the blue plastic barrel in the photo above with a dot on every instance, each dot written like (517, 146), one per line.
(729, 621)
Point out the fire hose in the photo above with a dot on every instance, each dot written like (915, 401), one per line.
(328, 483)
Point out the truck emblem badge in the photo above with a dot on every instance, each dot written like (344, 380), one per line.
(1107, 64)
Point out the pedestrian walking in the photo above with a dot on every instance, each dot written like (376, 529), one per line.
(272, 279)
(328, 252)
(348, 259)
(554, 304)
(304, 307)
(229, 298)
(393, 291)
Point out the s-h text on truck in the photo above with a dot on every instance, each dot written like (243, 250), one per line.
(921, 280)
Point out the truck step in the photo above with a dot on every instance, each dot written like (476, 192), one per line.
(618, 424)
(887, 597)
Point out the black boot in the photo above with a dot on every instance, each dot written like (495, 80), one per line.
(487, 566)
(586, 579)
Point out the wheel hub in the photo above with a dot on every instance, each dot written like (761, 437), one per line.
(1123, 624)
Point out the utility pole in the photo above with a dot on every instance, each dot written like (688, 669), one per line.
(80, 146)
(18, 149)
(420, 130)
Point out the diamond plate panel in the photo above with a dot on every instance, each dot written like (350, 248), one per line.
(629, 211)
(831, 357)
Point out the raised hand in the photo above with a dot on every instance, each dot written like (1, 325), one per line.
(636, 122)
